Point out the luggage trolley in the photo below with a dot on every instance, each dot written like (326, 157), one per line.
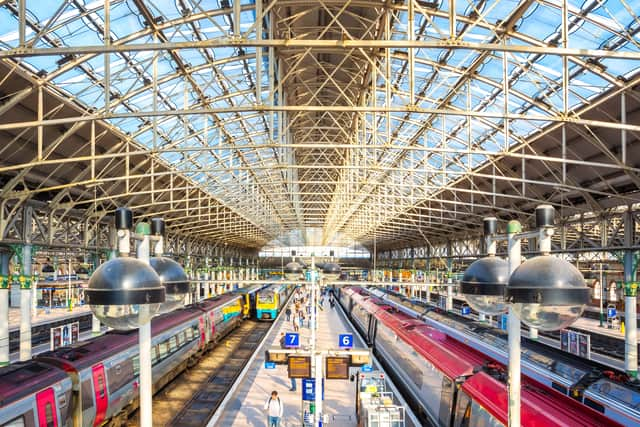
(375, 406)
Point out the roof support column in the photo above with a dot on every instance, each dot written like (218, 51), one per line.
(630, 297)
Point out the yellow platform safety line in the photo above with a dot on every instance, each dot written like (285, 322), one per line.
(622, 327)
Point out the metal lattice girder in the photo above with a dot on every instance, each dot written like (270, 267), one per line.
(395, 124)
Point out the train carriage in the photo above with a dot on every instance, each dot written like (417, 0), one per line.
(270, 301)
(431, 367)
(573, 376)
(33, 394)
(95, 382)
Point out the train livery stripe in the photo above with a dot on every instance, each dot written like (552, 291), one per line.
(100, 393)
(46, 404)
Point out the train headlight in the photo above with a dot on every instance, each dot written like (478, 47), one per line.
(124, 293)
(547, 293)
(483, 285)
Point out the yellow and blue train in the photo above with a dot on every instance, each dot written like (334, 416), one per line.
(271, 300)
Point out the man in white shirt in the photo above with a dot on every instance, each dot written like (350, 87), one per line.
(274, 409)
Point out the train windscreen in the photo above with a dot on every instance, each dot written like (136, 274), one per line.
(265, 298)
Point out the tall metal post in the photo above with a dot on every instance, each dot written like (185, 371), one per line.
(513, 329)
(25, 304)
(144, 337)
(630, 300)
(5, 257)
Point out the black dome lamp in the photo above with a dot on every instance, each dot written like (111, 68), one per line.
(547, 292)
(485, 280)
(172, 275)
(331, 271)
(124, 292)
(293, 271)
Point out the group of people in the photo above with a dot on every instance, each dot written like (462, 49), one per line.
(296, 312)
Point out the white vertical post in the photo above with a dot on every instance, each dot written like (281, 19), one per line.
(513, 331)
(146, 384)
(4, 309)
(144, 341)
(25, 305)
(449, 294)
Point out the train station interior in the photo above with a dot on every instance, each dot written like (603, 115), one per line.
(339, 213)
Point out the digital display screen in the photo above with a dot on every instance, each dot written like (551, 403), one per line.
(337, 368)
(299, 367)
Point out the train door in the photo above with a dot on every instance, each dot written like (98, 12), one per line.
(46, 405)
(252, 305)
(100, 393)
(202, 332)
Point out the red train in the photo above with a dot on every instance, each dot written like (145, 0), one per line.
(450, 383)
(95, 382)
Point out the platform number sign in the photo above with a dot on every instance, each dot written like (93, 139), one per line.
(292, 340)
(611, 312)
(345, 341)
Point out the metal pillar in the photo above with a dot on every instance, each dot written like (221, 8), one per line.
(513, 330)
(630, 300)
(5, 257)
(144, 338)
(25, 304)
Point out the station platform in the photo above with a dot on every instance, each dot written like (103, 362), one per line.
(246, 406)
(47, 316)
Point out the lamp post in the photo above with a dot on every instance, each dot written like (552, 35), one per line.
(544, 292)
(125, 293)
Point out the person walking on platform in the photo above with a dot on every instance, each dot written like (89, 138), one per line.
(301, 318)
(287, 312)
(274, 409)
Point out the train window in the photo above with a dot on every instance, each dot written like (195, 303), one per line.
(189, 334)
(101, 386)
(163, 349)
(154, 354)
(48, 413)
(446, 401)
(16, 422)
(136, 365)
(482, 418)
(173, 344)
(593, 404)
(120, 375)
(463, 411)
(562, 389)
(62, 401)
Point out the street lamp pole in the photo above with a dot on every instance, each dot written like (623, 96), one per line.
(513, 329)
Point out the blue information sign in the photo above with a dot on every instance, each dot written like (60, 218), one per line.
(611, 312)
(345, 341)
(291, 340)
(503, 322)
(309, 389)
(465, 310)
(366, 368)
(269, 365)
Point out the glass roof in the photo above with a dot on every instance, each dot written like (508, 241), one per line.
(242, 157)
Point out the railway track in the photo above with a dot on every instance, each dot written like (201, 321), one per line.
(191, 398)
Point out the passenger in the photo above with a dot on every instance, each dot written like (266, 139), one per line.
(274, 409)
(295, 324)
(301, 318)
(288, 313)
(283, 343)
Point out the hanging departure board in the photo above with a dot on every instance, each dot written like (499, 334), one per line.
(337, 368)
(299, 367)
